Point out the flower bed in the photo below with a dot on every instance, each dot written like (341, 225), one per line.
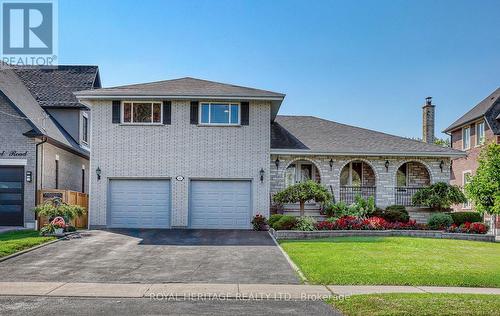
(371, 223)
(468, 228)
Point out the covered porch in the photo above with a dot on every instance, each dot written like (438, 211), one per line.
(389, 180)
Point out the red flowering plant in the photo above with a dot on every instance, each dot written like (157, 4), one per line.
(325, 225)
(58, 222)
(371, 223)
(375, 223)
(469, 228)
(259, 222)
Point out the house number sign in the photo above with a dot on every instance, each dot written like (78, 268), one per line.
(179, 178)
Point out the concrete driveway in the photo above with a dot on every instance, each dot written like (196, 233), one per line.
(156, 256)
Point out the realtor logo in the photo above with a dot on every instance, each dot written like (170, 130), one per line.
(28, 32)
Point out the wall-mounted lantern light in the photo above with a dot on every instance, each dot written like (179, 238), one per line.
(331, 164)
(277, 162)
(441, 165)
(98, 173)
(386, 165)
(261, 172)
(29, 176)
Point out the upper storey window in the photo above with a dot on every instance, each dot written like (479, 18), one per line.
(479, 133)
(466, 138)
(142, 112)
(219, 113)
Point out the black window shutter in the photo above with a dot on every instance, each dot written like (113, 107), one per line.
(116, 111)
(167, 112)
(245, 109)
(194, 112)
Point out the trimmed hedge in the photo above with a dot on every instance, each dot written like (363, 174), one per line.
(440, 221)
(460, 218)
(393, 213)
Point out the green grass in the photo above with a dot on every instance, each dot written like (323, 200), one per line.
(14, 241)
(397, 261)
(418, 304)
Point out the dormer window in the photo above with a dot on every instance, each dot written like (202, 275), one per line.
(218, 113)
(142, 112)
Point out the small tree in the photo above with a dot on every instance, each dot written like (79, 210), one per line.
(483, 189)
(439, 196)
(303, 192)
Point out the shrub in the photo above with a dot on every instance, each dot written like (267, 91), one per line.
(440, 221)
(273, 219)
(286, 222)
(439, 196)
(259, 222)
(55, 207)
(396, 213)
(460, 218)
(335, 209)
(469, 228)
(305, 223)
(303, 192)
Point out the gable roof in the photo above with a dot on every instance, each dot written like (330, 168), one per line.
(320, 136)
(185, 88)
(53, 87)
(478, 111)
(22, 100)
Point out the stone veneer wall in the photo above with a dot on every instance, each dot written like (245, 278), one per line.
(385, 179)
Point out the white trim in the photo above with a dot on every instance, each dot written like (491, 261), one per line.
(229, 104)
(467, 205)
(478, 142)
(367, 154)
(85, 143)
(122, 112)
(463, 137)
(175, 97)
(13, 162)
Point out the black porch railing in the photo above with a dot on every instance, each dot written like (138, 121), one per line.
(348, 193)
(404, 195)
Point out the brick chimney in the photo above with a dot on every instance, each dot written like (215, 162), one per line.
(428, 121)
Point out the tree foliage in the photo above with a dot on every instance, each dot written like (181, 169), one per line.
(439, 196)
(303, 192)
(483, 189)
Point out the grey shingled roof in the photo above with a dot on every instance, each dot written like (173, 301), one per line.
(54, 87)
(480, 110)
(182, 87)
(14, 89)
(321, 136)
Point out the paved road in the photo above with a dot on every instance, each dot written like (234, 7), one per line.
(156, 256)
(40, 306)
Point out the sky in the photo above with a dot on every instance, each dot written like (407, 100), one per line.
(364, 63)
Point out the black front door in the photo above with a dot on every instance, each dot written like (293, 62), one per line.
(11, 196)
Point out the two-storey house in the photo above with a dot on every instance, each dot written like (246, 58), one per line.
(193, 153)
(44, 136)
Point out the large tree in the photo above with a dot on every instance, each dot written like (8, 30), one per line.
(483, 189)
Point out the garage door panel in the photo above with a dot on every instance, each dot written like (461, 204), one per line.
(140, 203)
(220, 204)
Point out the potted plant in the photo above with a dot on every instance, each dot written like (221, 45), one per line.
(59, 225)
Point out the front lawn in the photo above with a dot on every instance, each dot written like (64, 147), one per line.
(397, 261)
(419, 304)
(14, 241)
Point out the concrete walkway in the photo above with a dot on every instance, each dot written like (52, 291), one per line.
(207, 290)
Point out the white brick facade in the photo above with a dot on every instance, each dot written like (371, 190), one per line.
(385, 179)
(179, 149)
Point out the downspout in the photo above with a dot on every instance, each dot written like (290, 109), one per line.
(44, 139)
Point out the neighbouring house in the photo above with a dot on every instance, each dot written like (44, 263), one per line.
(193, 153)
(479, 126)
(44, 136)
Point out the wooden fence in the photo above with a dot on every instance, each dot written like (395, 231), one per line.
(67, 196)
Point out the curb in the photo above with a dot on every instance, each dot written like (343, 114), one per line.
(30, 249)
(290, 262)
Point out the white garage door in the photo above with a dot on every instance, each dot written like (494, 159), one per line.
(220, 204)
(139, 203)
